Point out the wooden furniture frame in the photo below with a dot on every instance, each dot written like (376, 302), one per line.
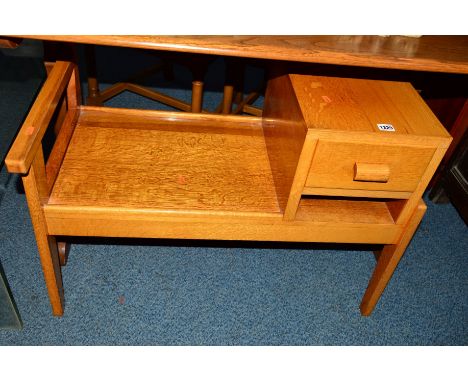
(313, 168)
(197, 64)
(232, 90)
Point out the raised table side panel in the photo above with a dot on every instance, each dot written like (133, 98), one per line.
(285, 131)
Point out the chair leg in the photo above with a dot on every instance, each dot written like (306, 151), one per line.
(63, 251)
(388, 260)
(197, 96)
(228, 91)
(34, 185)
(228, 94)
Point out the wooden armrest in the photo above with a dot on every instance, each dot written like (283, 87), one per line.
(29, 138)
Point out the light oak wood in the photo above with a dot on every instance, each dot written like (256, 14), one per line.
(371, 138)
(29, 138)
(371, 172)
(344, 210)
(65, 129)
(388, 260)
(169, 169)
(333, 165)
(297, 188)
(217, 225)
(74, 98)
(285, 133)
(348, 104)
(36, 194)
(137, 173)
(448, 54)
(164, 120)
(60, 147)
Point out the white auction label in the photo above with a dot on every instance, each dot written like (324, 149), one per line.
(385, 127)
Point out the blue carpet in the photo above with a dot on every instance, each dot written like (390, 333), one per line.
(163, 292)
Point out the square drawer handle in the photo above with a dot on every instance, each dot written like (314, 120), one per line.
(371, 172)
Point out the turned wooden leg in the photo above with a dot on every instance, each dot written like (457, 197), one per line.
(35, 188)
(228, 94)
(388, 259)
(197, 96)
(63, 251)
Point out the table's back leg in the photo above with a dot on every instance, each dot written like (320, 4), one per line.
(388, 260)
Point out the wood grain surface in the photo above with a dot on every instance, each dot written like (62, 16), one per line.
(447, 54)
(35, 187)
(348, 104)
(29, 137)
(285, 131)
(333, 165)
(214, 225)
(167, 168)
(344, 210)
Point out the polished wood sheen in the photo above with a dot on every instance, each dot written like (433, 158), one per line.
(448, 54)
(348, 104)
(370, 172)
(314, 168)
(213, 225)
(24, 148)
(285, 133)
(35, 189)
(167, 167)
(334, 166)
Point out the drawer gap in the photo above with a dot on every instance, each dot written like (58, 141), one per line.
(348, 209)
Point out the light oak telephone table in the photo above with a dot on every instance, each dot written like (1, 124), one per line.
(331, 160)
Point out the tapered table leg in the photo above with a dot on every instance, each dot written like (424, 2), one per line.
(388, 260)
(34, 185)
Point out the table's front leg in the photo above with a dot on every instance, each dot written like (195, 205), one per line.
(388, 260)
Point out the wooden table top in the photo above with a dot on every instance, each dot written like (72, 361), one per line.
(447, 54)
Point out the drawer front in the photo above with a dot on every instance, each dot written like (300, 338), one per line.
(358, 166)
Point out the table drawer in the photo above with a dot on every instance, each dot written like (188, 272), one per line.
(359, 166)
